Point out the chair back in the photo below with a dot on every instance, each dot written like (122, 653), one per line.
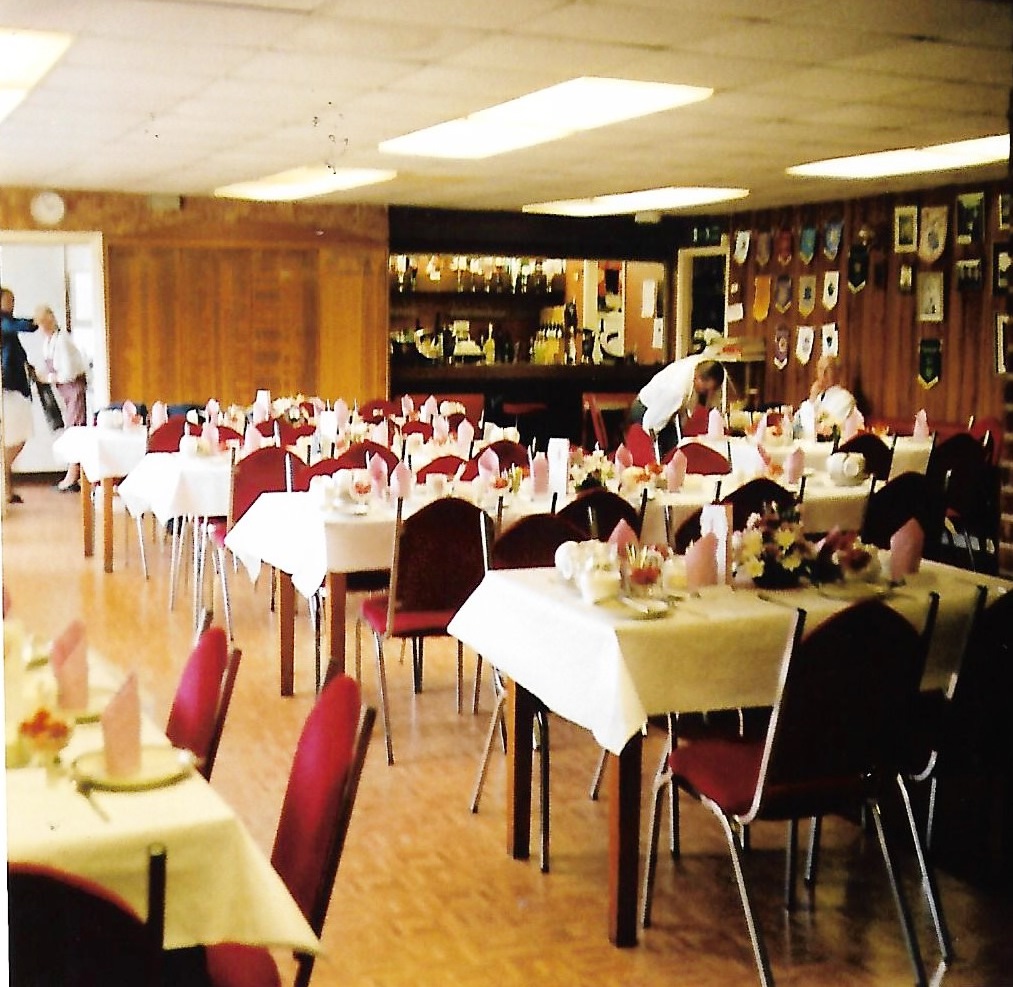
(289, 433)
(302, 474)
(845, 699)
(507, 452)
(532, 541)
(265, 470)
(596, 512)
(226, 434)
(960, 467)
(355, 456)
(687, 532)
(878, 455)
(197, 717)
(377, 409)
(988, 431)
(641, 445)
(425, 429)
(593, 412)
(319, 798)
(472, 402)
(701, 459)
(69, 931)
(445, 465)
(269, 428)
(751, 497)
(166, 437)
(895, 503)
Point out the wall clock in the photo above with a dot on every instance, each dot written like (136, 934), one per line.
(48, 208)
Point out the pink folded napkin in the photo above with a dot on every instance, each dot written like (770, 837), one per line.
(488, 465)
(906, 546)
(377, 468)
(430, 409)
(211, 410)
(341, 413)
(159, 415)
(794, 465)
(760, 432)
(407, 405)
(622, 536)
(129, 412)
(675, 471)
(715, 424)
(121, 730)
(209, 433)
(69, 661)
(624, 458)
(852, 425)
(539, 474)
(260, 414)
(441, 429)
(466, 434)
(702, 562)
(400, 481)
(380, 433)
(921, 426)
(252, 440)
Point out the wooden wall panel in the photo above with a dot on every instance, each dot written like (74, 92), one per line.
(879, 328)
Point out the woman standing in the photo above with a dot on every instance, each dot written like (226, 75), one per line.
(65, 368)
(17, 391)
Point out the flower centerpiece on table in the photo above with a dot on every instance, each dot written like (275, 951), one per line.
(842, 555)
(44, 734)
(591, 469)
(772, 549)
(642, 567)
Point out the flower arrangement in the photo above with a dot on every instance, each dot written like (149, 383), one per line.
(591, 469)
(44, 733)
(451, 408)
(772, 549)
(843, 555)
(643, 566)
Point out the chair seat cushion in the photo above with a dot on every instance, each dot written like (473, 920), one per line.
(723, 770)
(217, 529)
(231, 964)
(416, 623)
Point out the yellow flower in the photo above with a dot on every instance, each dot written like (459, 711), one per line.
(752, 542)
(753, 567)
(791, 562)
(784, 538)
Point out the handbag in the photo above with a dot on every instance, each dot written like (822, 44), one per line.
(50, 406)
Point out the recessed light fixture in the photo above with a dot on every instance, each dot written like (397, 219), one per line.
(911, 160)
(545, 115)
(647, 200)
(25, 57)
(304, 183)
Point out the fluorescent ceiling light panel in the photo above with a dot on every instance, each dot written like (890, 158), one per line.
(544, 115)
(25, 57)
(304, 183)
(911, 160)
(647, 200)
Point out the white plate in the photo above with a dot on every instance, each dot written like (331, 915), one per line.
(644, 608)
(854, 589)
(160, 766)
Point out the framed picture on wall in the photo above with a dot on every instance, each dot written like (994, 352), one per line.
(1001, 322)
(905, 229)
(970, 217)
(906, 279)
(1002, 261)
(930, 296)
(969, 275)
(1005, 208)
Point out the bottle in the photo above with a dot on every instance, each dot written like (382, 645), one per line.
(489, 348)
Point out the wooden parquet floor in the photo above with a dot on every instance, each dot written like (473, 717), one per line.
(426, 893)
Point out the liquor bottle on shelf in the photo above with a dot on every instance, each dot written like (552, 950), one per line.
(489, 347)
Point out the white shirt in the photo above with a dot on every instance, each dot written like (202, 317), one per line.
(68, 363)
(671, 391)
(834, 404)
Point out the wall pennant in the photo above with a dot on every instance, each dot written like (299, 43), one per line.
(741, 246)
(831, 282)
(833, 233)
(933, 233)
(805, 336)
(806, 294)
(763, 246)
(782, 293)
(782, 344)
(761, 297)
(831, 339)
(807, 244)
(970, 219)
(930, 362)
(784, 247)
(858, 267)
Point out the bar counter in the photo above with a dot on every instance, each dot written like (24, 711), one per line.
(559, 387)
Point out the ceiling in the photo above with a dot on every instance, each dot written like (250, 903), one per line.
(181, 96)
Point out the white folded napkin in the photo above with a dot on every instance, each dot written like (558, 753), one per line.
(159, 415)
(715, 424)
(252, 441)
(407, 405)
(441, 429)
(465, 435)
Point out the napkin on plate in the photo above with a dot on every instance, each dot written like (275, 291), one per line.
(675, 471)
(715, 424)
(466, 436)
(69, 661)
(159, 415)
(129, 412)
(211, 410)
(852, 425)
(702, 562)
(377, 469)
(260, 414)
(622, 536)
(624, 458)
(209, 433)
(906, 546)
(794, 464)
(921, 426)
(441, 429)
(488, 465)
(341, 413)
(380, 433)
(121, 730)
(400, 481)
(539, 474)
(252, 440)
(430, 408)
(407, 405)
(807, 420)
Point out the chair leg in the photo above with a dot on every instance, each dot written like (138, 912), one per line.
(542, 719)
(139, 520)
(930, 815)
(813, 856)
(662, 779)
(903, 912)
(790, 865)
(599, 773)
(495, 722)
(755, 936)
(478, 686)
(223, 576)
(316, 607)
(381, 674)
(460, 677)
(928, 879)
(358, 649)
(417, 664)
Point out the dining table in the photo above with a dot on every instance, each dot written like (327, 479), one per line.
(70, 815)
(608, 667)
(104, 455)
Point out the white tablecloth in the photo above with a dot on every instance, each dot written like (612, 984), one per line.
(606, 670)
(102, 452)
(170, 484)
(220, 886)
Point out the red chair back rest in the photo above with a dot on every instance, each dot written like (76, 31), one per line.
(878, 455)
(602, 507)
(425, 429)
(641, 445)
(166, 437)
(751, 497)
(262, 471)
(267, 429)
(302, 474)
(508, 453)
(532, 541)
(696, 423)
(447, 465)
(354, 457)
(703, 459)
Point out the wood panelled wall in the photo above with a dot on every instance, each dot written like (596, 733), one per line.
(879, 327)
(221, 298)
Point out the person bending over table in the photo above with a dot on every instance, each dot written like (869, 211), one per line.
(672, 396)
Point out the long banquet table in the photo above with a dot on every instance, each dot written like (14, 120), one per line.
(220, 885)
(606, 670)
(105, 455)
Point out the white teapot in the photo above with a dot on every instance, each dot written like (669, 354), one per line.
(846, 469)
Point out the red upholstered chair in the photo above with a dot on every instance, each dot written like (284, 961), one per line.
(446, 465)
(907, 496)
(597, 511)
(509, 454)
(751, 497)
(355, 456)
(438, 562)
(377, 408)
(641, 445)
(425, 429)
(269, 428)
(289, 433)
(69, 931)
(878, 455)
(302, 474)
(833, 743)
(312, 828)
(166, 437)
(197, 717)
(702, 459)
